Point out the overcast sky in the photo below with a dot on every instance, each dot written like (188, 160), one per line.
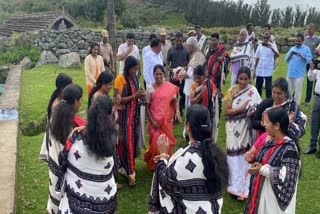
(283, 3)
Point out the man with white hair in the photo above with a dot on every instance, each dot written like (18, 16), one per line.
(196, 58)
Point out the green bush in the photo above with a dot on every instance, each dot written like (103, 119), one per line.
(15, 54)
(129, 21)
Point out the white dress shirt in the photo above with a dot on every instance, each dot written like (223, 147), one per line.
(150, 59)
(122, 49)
(266, 60)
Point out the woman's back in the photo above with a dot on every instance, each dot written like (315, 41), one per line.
(90, 183)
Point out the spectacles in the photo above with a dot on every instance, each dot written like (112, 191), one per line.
(265, 37)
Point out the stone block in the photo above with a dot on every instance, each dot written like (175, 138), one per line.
(71, 60)
(47, 57)
(281, 40)
(26, 63)
(284, 49)
(62, 51)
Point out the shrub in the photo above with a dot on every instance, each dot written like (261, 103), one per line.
(16, 53)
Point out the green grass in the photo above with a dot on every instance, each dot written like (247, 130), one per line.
(173, 19)
(37, 86)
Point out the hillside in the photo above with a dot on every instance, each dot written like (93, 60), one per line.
(146, 12)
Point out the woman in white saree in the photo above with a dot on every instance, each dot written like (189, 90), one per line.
(86, 172)
(238, 100)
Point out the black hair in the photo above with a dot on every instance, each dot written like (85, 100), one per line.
(244, 69)
(62, 118)
(178, 34)
(130, 35)
(94, 44)
(214, 160)
(62, 81)
(155, 42)
(158, 67)
(100, 128)
(249, 25)
(300, 35)
(152, 36)
(104, 78)
(268, 26)
(130, 62)
(281, 83)
(199, 70)
(279, 115)
(215, 35)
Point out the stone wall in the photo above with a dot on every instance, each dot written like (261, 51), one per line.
(78, 40)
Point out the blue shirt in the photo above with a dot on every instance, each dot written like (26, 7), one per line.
(297, 66)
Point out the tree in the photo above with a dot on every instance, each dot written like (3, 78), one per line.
(276, 18)
(299, 17)
(312, 16)
(111, 27)
(261, 12)
(287, 17)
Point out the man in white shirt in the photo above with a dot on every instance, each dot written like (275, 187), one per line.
(314, 75)
(202, 39)
(151, 58)
(127, 49)
(147, 48)
(264, 65)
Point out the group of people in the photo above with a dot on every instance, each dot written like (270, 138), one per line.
(183, 80)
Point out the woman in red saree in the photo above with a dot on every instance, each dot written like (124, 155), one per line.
(162, 103)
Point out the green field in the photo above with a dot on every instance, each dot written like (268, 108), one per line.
(37, 86)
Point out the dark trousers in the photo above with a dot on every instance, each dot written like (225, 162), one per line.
(309, 87)
(259, 84)
(315, 122)
(182, 95)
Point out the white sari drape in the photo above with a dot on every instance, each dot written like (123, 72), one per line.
(239, 140)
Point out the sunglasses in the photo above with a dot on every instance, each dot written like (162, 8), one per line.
(265, 37)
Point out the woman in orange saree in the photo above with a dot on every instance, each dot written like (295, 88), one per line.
(162, 103)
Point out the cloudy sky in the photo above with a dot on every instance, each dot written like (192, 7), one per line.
(283, 3)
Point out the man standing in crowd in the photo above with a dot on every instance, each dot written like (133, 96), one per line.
(191, 33)
(264, 65)
(202, 39)
(147, 48)
(297, 57)
(267, 28)
(107, 53)
(165, 46)
(311, 41)
(314, 75)
(251, 35)
(178, 56)
(217, 60)
(196, 58)
(151, 58)
(127, 49)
